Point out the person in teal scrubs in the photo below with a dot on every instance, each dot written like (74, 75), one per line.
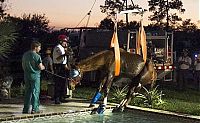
(32, 66)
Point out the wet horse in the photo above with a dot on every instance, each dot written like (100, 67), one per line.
(132, 66)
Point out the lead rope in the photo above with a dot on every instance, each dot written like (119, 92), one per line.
(55, 74)
(59, 75)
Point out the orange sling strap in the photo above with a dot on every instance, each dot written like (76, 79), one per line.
(141, 41)
(115, 44)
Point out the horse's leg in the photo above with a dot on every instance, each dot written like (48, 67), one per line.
(97, 95)
(106, 88)
(133, 88)
(132, 94)
(124, 103)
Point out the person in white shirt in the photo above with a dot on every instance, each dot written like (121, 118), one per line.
(60, 68)
(184, 62)
(197, 71)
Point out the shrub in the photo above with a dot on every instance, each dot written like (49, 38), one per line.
(119, 93)
(149, 98)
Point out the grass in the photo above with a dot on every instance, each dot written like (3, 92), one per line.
(187, 102)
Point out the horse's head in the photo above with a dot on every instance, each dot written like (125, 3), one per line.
(75, 78)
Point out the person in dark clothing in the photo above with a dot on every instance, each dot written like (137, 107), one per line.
(184, 62)
(48, 63)
(197, 71)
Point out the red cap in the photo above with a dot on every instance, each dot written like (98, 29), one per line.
(63, 38)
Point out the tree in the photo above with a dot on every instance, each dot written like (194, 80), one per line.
(188, 26)
(133, 25)
(8, 36)
(107, 23)
(161, 9)
(3, 8)
(111, 7)
(30, 27)
(35, 25)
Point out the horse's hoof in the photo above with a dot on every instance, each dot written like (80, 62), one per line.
(101, 109)
(94, 111)
(118, 109)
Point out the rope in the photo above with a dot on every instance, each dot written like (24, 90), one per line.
(55, 74)
(88, 14)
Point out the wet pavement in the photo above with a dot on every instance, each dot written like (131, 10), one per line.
(11, 109)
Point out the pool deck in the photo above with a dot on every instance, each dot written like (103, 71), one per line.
(11, 109)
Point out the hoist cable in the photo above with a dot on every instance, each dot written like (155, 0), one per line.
(88, 14)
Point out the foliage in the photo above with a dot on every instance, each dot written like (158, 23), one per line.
(188, 26)
(150, 98)
(84, 92)
(133, 25)
(29, 27)
(107, 23)
(8, 36)
(111, 7)
(119, 93)
(3, 7)
(17, 91)
(36, 24)
(161, 9)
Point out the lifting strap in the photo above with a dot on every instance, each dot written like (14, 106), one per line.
(115, 44)
(141, 42)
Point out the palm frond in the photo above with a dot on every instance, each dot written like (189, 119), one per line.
(150, 97)
(8, 36)
(119, 93)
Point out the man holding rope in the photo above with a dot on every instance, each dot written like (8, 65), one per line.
(61, 67)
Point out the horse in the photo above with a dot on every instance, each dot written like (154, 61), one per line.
(132, 66)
